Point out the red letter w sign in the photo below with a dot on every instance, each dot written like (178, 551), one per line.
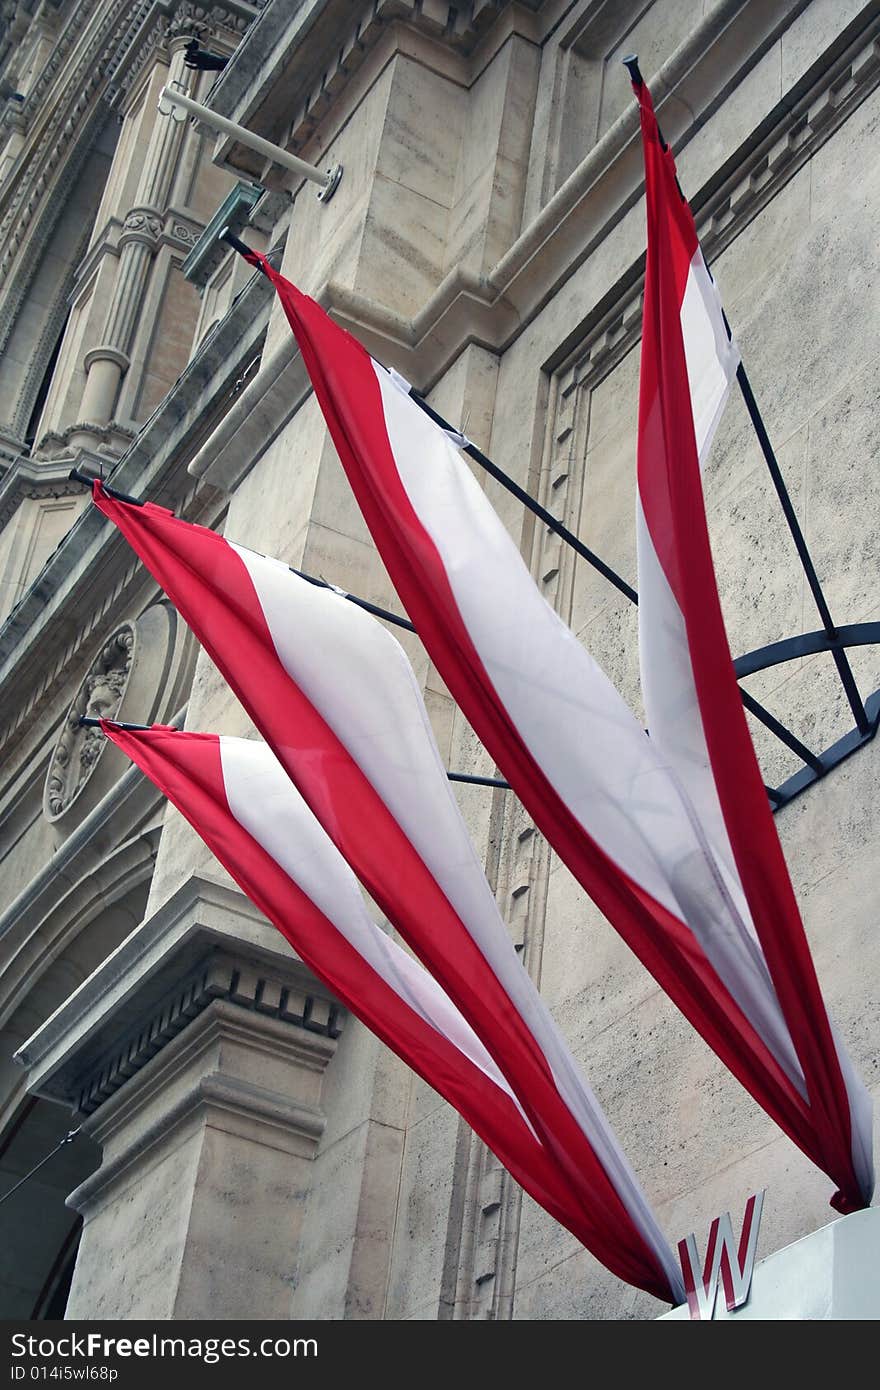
(734, 1266)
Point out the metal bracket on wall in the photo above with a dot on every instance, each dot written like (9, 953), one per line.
(173, 99)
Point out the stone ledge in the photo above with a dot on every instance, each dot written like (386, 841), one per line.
(215, 977)
(190, 1085)
(205, 942)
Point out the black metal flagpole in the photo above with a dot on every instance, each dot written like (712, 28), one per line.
(368, 607)
(764, 716)
(498, 474)
(841, 661)
(779, 730)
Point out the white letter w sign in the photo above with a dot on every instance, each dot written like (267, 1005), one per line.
(734, 1266)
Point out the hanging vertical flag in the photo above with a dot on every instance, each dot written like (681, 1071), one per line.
(598, 788)
(335, 697)
(693, 704)
(241, 802)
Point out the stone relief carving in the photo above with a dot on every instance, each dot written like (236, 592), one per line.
(142, 672)
(183, 233)
(99, 697)
(140, 220)
(190, 17)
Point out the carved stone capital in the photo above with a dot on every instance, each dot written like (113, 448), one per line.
(143, 225)
(105, 353)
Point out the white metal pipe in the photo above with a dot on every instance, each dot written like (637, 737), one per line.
(246, 137)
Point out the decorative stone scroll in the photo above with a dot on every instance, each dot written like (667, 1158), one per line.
(78, 750)
(142, 665)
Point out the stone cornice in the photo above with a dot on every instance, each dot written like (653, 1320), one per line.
(319, 50)
(493, 310)
(28, 479)
(225, 1101)
(332, 37)
(205, 942)
(266, 991)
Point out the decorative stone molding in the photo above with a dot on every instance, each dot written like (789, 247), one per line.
(140, 662)
(78, 750)
(234, 1104)
(219, 977)
(64, 125)
(107, 436)
(38, 222)
(233, 17)
(206, 944)
(35, 482)
(110, 852)
(141, 224)
(182, 232)
(13, 117)
(460, 25)
(47, 342)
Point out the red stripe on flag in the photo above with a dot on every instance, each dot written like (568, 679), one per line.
(345, 383)
(671, 491)
(209, 585)
(187, 768)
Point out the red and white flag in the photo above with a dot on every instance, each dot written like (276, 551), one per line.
(598, 788)
(239, 799)
(335, 697)
(692, 700)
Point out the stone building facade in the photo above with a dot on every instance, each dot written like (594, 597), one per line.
(245, 1149)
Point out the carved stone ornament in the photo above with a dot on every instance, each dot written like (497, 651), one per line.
(141, 224)
(99, 697)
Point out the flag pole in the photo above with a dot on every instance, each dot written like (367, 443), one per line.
(327, 180)
(469, 448)
(841, 661)
(76, 476)
(779, 730)
(471, 778)
(766, 718)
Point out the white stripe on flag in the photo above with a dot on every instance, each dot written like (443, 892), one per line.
(268, 806)
(358, 676)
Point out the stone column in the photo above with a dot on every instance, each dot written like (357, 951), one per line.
(195, 1057)
(106, 364)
